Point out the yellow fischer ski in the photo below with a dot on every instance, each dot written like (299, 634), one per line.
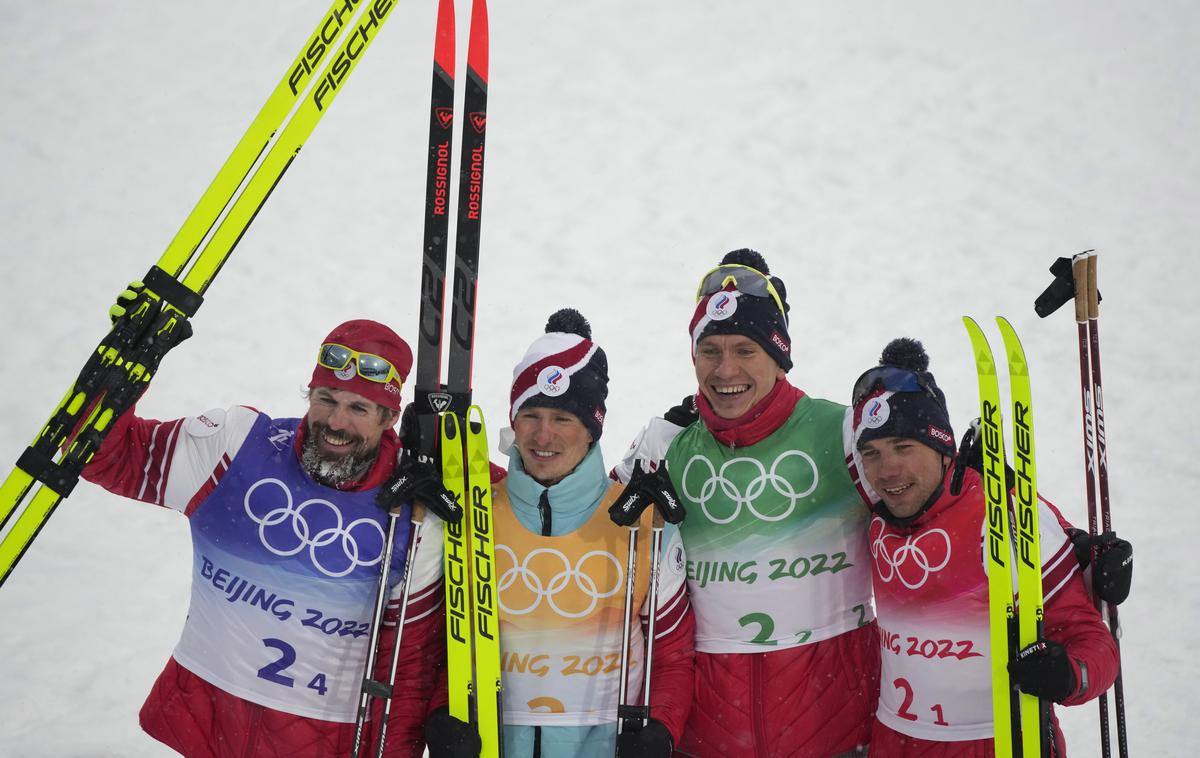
(117, 371)
(1034, 712)
(472, 623)
(486, 621)
(458, 590)
(998, 546)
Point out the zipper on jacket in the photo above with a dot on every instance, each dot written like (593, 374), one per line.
(756, 705)
(252, 732)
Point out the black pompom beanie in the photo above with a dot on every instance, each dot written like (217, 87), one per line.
(917, 412)
(732, 311)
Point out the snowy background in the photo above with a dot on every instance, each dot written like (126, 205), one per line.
(899, 165)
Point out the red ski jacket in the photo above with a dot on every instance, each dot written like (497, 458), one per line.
(1071, 619)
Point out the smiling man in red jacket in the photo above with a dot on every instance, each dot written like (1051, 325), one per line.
(778, 567)
(931, 590)
(287, 548)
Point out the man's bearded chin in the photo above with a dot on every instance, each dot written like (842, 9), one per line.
(330, 471)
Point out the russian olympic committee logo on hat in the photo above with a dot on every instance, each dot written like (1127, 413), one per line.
(876, 413)
(721, 306)
(553, 381)
(334, 547)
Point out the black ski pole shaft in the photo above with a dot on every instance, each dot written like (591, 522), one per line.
(623, 705)
(1093, 303)
(418, 520)
(370, 687)
(652, 600)
(1079, 265)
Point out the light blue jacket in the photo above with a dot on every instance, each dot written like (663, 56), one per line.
(572, 502)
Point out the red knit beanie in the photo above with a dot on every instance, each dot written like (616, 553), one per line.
(372, 337)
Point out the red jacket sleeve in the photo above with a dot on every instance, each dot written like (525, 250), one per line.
(1073, 621)
(672, 671)
(122, 459)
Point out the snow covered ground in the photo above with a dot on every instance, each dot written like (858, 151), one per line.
(900, 165)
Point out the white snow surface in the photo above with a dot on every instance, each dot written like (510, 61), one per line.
(899, 165)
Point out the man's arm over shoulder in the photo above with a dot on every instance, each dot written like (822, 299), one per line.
(650, 446)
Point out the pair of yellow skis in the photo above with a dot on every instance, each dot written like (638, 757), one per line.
(1017, 718)
(472, 621)
(126, 359)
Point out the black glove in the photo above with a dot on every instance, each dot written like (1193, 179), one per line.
(651, 741)
(1043, 669)
(410, 429)
(418, 481)
(644, 489)
(684, 414)
(1113, 572)
(447, 737)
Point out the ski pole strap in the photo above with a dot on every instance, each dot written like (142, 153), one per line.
(43, 468)
(172, 291)
(638, 713)
(376, 688)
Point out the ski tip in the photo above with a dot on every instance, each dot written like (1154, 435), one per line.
(477, 50)
(475, 418)
(444, 40)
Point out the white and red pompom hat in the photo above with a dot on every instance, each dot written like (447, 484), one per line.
(563, 369)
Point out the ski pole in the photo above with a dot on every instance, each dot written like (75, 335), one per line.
(1093, 318)
(418, 520)
(623, 705)
(371, 687)
(652, 595)
(1079, 270)
(639, 715)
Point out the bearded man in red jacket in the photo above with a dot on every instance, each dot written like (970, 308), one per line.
(287, 543)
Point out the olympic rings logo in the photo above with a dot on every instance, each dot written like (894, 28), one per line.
(783, 485)
(910, 559)
(583, 582)
(286, 529)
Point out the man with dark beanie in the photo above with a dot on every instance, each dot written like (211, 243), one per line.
(930, 587)
(778, 568)
(288, 545)
(560, 567)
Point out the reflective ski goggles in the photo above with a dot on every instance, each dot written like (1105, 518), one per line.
(371, 367)
(891, 379)
(745, 279)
